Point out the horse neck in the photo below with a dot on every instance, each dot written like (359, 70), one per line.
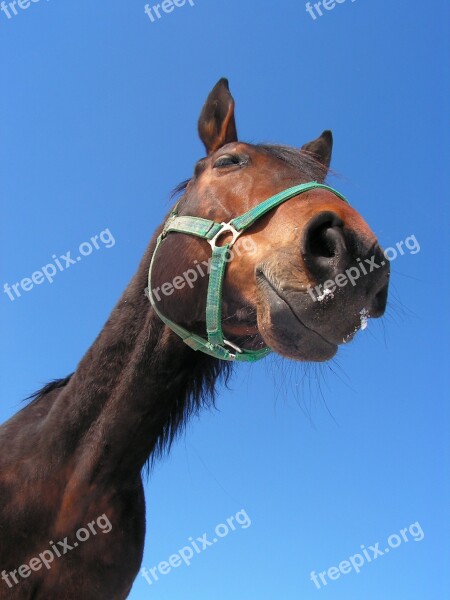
(132, 390)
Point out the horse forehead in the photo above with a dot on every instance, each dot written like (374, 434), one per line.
(235, 147)
(261, 174)
(257, 154)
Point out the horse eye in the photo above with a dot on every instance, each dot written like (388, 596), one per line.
(227, 160)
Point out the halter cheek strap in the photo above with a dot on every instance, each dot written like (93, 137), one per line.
(216, 345)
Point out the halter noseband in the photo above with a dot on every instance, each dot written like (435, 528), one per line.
(212, 231)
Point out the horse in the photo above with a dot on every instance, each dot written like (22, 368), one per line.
(258, 255)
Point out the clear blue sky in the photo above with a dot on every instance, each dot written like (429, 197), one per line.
(99, 108)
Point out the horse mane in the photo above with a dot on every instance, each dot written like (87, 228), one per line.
(200, 392)
(302, 160)
(202, 374)
(179, 189)
(55, 384)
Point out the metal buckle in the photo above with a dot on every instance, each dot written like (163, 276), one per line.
(225, 227)
(167, 224)
(227, 343)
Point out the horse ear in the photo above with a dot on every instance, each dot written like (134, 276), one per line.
(216, 125)
(321, 148)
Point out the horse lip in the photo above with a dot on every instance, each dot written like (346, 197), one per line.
(260, 274)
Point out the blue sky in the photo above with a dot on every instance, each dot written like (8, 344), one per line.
(99, 108)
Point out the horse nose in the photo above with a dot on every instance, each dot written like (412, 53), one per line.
(331, 250)
(379, 301)
(325, 249)
(380, 266)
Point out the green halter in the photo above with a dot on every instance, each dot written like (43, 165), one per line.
(212, 231)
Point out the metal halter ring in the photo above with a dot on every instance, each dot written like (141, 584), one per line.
(225, 227)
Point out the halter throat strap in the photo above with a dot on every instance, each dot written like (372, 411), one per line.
(216, 345)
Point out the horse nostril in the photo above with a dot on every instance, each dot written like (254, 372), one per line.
(324, 243)
(378, 305)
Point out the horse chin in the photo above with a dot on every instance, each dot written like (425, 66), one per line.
(283, 330)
